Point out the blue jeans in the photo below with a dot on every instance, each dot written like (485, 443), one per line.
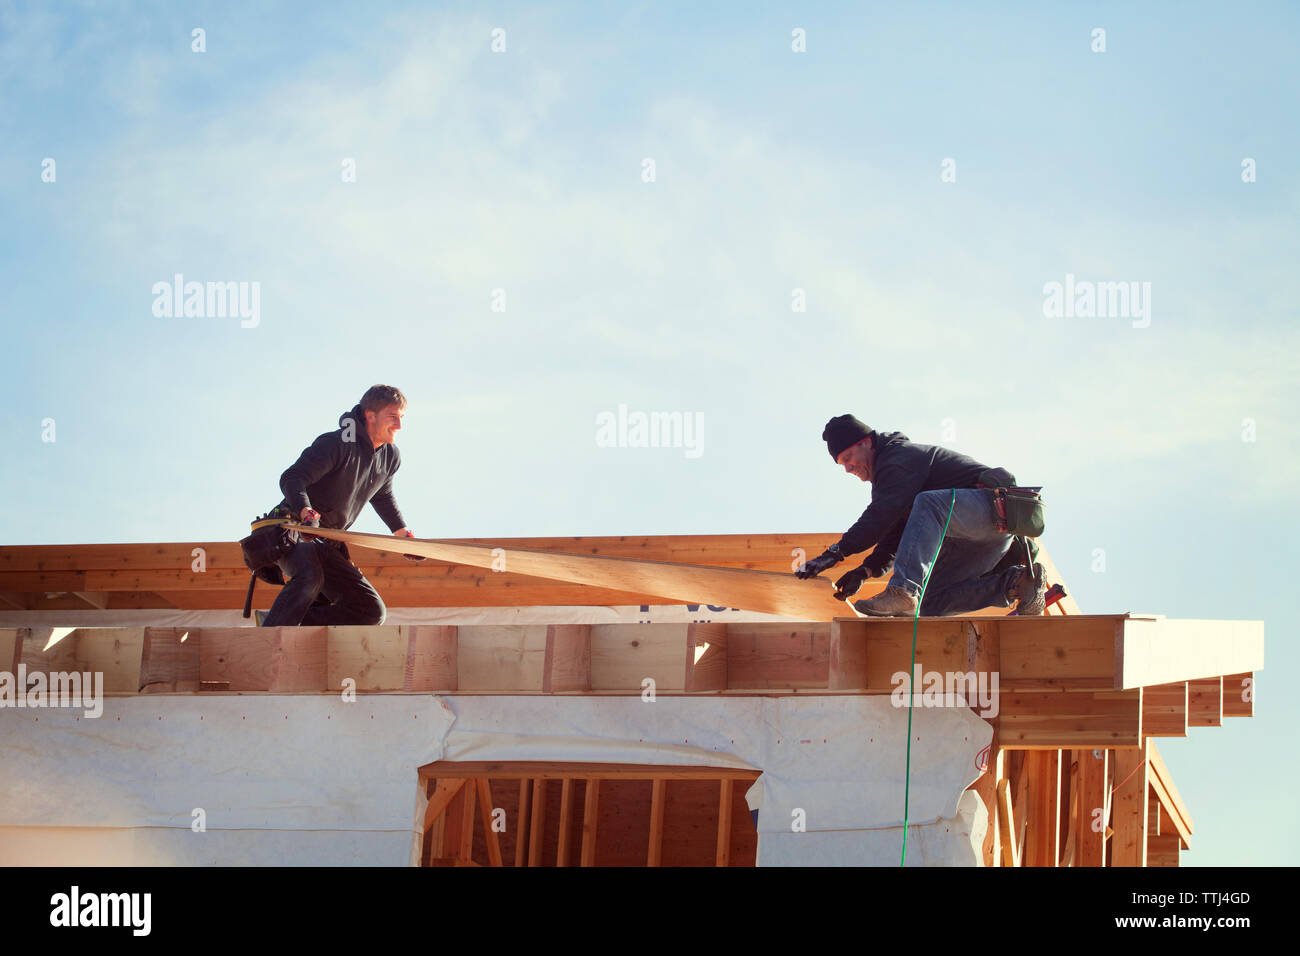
(972, 546)
(316, 567)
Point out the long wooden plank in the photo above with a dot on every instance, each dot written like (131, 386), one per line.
(521, 822)
(590, 811)
(537, 828)
(566, 818)
(766, 591)
(545, 770)
(723, 855)
(654, 854)
(1093, 806)
(1010, 852)
(1129, 808)
(486, 810)
(1162, 651)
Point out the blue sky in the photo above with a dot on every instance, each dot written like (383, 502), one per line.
(774, 171)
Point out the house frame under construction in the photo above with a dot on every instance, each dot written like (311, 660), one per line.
(510, 718)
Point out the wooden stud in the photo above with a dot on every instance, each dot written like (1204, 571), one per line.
(1006, 818)
(1069, 855)
(724, 823)
(566, 814)
(1043, 842)
(486, 810)
(655, 854)
(1093, 807)
(535, 831)
(590, 809)
(521, 823)
(466, 853)
(1129, 808)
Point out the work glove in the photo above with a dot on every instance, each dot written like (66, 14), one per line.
(848, 584)
(827, 559)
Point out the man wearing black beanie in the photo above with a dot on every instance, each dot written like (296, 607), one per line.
(913, 487)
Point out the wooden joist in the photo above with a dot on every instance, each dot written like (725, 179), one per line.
(1164, 710)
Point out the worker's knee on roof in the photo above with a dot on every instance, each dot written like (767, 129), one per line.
(372, 611)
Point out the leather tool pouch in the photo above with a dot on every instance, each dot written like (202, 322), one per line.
(1020, 511)
(269, 541)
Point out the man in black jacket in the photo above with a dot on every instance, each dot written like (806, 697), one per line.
(914, 487)
(328, 485)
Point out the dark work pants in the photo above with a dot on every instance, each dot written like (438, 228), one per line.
(315, 567)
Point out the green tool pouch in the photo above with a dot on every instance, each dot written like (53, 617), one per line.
(1020, 511)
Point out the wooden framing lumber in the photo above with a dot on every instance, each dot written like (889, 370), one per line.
(1052, 720)
(547, 770)
(1161, 651)
(431, 658)
(1094, 806)
(169, 661)
(1164, 710)
(446, 790)
(706, 658)
(486, 809)
(567, 666)
(521, 822)
(723, 855)
(535, 834)
(1129, 807)
(654, 854)
(1162, 849)
(767, 591)
(590, 812)
(1205, 702)
(1239, 695)
(848, 656)
(1006, 816)
(1043, 841)
(566, 818)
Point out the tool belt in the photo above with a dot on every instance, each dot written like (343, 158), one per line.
(1019, 511)
(269, 541)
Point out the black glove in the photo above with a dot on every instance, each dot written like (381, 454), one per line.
(848, 584)
(827, 559)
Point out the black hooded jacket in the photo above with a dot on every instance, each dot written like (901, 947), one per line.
(901, 470)
(337, 476)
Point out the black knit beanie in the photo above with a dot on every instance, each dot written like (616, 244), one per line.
(841, 432)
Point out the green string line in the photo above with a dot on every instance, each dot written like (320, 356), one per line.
(907, 778)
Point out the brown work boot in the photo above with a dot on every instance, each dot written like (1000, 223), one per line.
(1029, 591)
(891, 602)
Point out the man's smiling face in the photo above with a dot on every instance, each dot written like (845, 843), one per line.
(857, 459)
(384, 424)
